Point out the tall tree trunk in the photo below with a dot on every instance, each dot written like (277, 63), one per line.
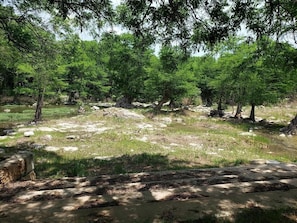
(252, 114)
(39, 106)
(220, 108)
(160, 104)
(71, 97)
(220, 105)
(124, 102)
(291, 128)
(238, 111)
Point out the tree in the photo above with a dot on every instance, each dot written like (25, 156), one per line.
(168, 78)
(177, 20)
(205, 70)
(8, 58)
(188, 23)
(43, 64)
(74, 67)
(126, 60)
(64, 15)
(21, 21)
(250, 73)
(97, 80)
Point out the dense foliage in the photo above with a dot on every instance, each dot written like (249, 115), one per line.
(43, 57)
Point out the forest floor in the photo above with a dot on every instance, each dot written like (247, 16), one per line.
(117, 165)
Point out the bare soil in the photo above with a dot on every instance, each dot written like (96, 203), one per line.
(167, 196)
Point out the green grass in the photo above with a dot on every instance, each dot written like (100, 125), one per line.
(20, 113)
(124, 147)
(188, 142)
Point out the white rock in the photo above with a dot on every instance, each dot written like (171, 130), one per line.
(247, 134)
(51, 148)
(162, 125)
(47, 137)
(272, 162)
(7, 110)
(282, 135)
(70, 148)
(166, 120)
(3, 137)
(95, 108)
(143, 139)
(46, 129)
(145, 126)
(28, 133)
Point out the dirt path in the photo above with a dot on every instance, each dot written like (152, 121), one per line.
(168, 196)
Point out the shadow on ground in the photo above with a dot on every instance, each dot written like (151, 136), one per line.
(49, 164)
(107, 194)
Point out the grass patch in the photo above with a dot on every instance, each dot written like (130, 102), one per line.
(21, 113)
(111, 144)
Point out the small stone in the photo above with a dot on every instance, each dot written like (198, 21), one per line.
(272, 162)
(247, 134)
(70, 149)
(72, 137)
(37, 146)
(7, 110)
(282, 135)
(95, 108)
(47, 138)
(28, 133)
(51, 148)
(3, 137)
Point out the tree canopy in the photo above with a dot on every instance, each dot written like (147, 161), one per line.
(43, 55)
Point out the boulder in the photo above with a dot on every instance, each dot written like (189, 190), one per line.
(95, 108)
(16, 167)
(28, 133)
(122, 113)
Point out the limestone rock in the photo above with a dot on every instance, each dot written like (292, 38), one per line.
(47, 137)
(247, 134)
(16, 167)
(28, 133)
(95, 108)
(121, 113)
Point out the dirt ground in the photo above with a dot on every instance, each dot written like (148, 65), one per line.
(167, 196)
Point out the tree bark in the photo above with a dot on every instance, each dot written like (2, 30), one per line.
(238, 111)
(160, 104)
(252, 114)
(39, 106)
(220, 108)
(124, 102)
(291, 128)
